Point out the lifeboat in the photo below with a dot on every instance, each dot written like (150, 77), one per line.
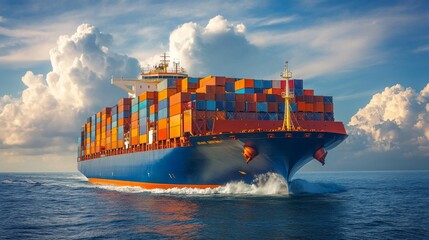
(320, 155)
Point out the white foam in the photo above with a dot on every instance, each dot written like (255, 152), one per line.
(264, 184)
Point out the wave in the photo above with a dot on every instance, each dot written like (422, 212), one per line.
(300, 186)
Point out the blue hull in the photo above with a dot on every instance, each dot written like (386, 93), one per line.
(214, 159)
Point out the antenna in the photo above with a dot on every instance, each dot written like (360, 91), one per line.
(287, 124)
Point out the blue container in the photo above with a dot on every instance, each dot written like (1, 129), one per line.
(318, 116)
(114, 124)
(271, 97)
(193, 96)
(98, 120)
(153, 117)
(281, 107)
(142, 130)
(298, 84)
(328, 99)
(114, 117)
(193, 80)
(267, 84)
(245, 90)
(142, 121)
(298, 92)
(229, 87)
(220, 105)
(200, 105)
(258, 84)
(120, 136)
(230, 96)
(328, 117)
(280, 116)
(258, 90)
(163, 104)
(309, 116)
(273, 116)
(108, 127)
(135, 108)
(263, 116)
(230, 106)
(163, 113)
(293, 107)
(124, 114)
(114, 110)
(261, 107)
(120, 130)
(230, 115)
(135, 101)
(143, 113)
(210, 105)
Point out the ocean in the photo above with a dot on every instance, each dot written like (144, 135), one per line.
(316, 205)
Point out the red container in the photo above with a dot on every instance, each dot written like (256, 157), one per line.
(259, 97)
(272, 107)
(240, 106)
(250, 106)
(207, 89)
(308, 92)
(301, 106)
(244, 83)
(212, 81)
(319, 107)
(180, 98)
(239, 98)
(124, 101)
(329, 107)
(200, 96)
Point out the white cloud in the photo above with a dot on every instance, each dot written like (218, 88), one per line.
(219, 48)
(395, 120)
(48, 115)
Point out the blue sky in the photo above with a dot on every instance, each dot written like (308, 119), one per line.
(352, 50)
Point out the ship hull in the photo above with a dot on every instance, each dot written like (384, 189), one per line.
(211, 161)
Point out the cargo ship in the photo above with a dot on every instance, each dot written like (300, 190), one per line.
(178, 131)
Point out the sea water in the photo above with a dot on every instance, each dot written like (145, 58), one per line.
(337, 205)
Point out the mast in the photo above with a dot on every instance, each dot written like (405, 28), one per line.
(287, 123)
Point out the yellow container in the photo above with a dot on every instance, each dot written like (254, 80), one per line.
(143, 139)
(175, 120)
(175, 131)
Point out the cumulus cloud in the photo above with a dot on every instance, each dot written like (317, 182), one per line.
(51, 109)
(219, 48)
(395, 120)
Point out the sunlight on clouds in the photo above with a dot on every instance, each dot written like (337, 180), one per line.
(51, 110)
(395, 119)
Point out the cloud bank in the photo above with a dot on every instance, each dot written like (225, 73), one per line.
(219, 48)
(49, 113)
(395, 120)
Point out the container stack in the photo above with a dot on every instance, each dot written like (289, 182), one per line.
(193, 105)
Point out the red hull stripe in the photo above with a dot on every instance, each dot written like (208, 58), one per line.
(149, 185)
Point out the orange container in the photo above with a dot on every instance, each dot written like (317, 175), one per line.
(206, 89)
(177, 109)
(134, 140)
(319, 107)
(301, 106)
(212, 81)
(121, 122)
(175, 120)
(308, 92)
(162, 134)
(164, 94)
(153, 108)
(134, 117)
(175, 131)
(123, 108)
(272, 107)
(147, 95)
(180, 97)
(309, 107)
(134, 132)
(120, 143)
(162, 123)
(143, 139)
(244, 83)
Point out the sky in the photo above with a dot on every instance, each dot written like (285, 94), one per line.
(56, 62)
